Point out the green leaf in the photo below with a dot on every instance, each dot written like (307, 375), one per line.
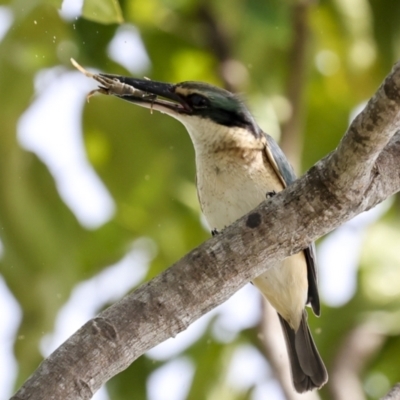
(103, 11)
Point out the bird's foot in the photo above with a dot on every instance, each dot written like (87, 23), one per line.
(215, 232)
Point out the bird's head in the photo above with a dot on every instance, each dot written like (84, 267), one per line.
(209, 113)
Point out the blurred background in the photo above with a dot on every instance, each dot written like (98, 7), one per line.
(97, 197)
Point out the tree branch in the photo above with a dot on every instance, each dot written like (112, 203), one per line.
(362, 172)
(358, 347)
(291, 139)
(394, 393)
(218, 42)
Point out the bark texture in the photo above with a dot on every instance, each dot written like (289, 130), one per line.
(394, 393)
(360, 173)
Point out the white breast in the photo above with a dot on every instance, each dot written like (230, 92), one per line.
(228, 187)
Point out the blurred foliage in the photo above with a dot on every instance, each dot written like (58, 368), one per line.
(147, 164)
(105, 11)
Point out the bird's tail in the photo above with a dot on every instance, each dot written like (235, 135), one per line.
(308, 369)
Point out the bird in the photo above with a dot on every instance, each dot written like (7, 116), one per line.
(238, 166)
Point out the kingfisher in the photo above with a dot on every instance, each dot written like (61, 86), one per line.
(238, 166)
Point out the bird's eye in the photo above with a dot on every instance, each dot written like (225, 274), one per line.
(198, 101)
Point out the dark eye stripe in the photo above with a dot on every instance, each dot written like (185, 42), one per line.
(198, 101)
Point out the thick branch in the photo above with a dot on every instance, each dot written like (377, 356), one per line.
(366, 138)
(394, 393)
(358, 175)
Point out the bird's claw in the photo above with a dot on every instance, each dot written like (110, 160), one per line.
(270, 194)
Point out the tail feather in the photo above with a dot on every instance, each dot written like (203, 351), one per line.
(308, 369)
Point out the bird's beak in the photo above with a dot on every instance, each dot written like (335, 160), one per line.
(143, 92)
(155, 95)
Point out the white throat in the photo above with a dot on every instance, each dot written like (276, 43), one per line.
(208, 136)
